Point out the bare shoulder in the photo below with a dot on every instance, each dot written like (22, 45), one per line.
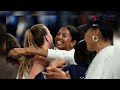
(42, 60)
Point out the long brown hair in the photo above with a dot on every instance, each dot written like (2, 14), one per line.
(33, 37)
(11, 43)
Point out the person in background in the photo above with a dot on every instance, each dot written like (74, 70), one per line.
(2, 43)
(8, 65)
(12, 42)
(116, 53)
(2, 38)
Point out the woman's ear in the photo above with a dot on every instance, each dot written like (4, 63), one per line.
(46, 37)
(73, 43)
(96, 31)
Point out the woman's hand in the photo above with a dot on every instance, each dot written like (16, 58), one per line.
(58, 63)
(55, 73)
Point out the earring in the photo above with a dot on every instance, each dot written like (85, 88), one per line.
(95, 38)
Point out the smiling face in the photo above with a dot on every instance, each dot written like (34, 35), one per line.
(63, 39)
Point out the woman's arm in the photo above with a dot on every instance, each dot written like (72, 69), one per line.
(16, 52)
(68, 56)
(58, 63)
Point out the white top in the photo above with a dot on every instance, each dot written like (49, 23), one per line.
(100, 67)
(25, 76)
(68, 56)
(116, 58)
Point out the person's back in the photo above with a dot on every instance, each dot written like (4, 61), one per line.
(37, 36)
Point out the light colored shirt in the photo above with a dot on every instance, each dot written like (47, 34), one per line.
(100, 67)
(116, 58)
(68, 56)
(25, 76)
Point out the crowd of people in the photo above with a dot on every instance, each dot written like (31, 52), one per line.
(87, 51)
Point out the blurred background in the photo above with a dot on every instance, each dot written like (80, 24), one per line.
(16, 22)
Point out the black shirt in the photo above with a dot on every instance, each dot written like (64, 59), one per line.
(76, 71)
